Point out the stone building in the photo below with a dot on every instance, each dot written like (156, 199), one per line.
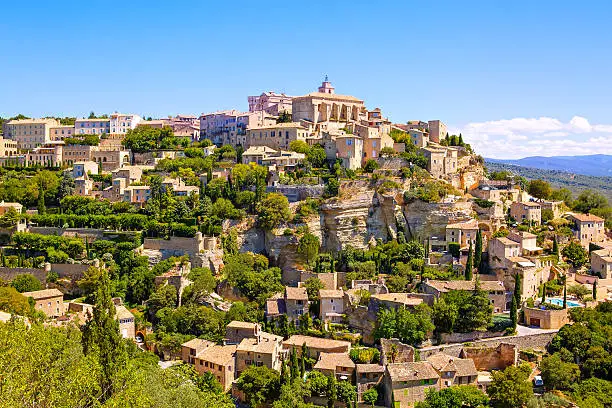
(219, 361)
(236, 331)
(441, 161)
(368, 376)
(529, 212)
(127, 326)
(83, 126)
(30, 133)
(331, 305)
(316, 345)
(8, 147)
(48, 301)
(326, 106)
(339, 365)
(407, 383)
(270, 102)
(190, 349)
(454, 371)
(60, 133)
(277, 135)
(265, 349)
(601, 262)
(495, 290)
(587, 228)
(437, 130)
(462, 232)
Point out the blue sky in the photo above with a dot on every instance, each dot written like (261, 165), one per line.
(518, 78)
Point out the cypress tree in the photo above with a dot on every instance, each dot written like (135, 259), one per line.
(469, 265)
(101, 337)
(543, 292)
(555, 248)
(517, 289)
(478, 250)
(42, 209)
(295, 369)
(595, 290)
(332, 392)
(285, 376)
(564, 292)
(513, 312)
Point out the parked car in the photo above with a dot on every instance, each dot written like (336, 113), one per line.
(538, 381)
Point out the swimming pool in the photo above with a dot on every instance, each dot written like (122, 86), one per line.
(559, 302)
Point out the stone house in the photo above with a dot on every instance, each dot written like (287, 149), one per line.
(349, 148)
(546, 319)
(368, 376)
(190, 349)
(296, 302)
(406, 383)
(502, 248)
(587, 228)
(316, 345)
(337, 364)
(453, 370)
(331, 305)
(399, 300)
(555, 206)
(264, 350)
(528, 212)
(527, 242)
(441, 161)
(276, 136)
(495, 290)
(48, 301)
(236, 331)
(462, 232)
(601, 262)
(219, 361)
(127, 326)
(5, 207)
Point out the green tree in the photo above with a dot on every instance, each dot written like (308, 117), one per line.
(576, 254)
(299, 146)
(316, 156)
(510, 388)
(13, 302)
(313, 285)
(308, 247)
(346, 392)
(259, 384)
(462, 396)
(273, 210)
(332, 391)
(478, 251)
(102, 340)
(284, 117)
(370, 396)
(539, 189)
(26, 283)
(558, 374)
(589, 200)
(469, 265)
(445, 315)
(370, 166)
(555, 247)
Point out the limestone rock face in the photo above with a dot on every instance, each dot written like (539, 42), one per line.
(430, 219)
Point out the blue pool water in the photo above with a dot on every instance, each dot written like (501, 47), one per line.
(559, 302)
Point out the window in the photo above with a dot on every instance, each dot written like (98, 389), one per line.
(349, 142)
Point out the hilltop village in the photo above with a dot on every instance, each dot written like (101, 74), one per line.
(306, 252)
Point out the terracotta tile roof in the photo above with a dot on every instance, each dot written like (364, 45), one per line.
(445, 286)
(236, 324)
(329, 361)
(507, 241)
(586, 217)
(43, 294)
(413, 371)
(221, 355)
(296, 293)
(198, 344)
(404, 298)
(461, 366)
(331, 293)
(369, 368)
(266, 343)
(275, 307)
(298, 340)
(470, 224)
(123, 313)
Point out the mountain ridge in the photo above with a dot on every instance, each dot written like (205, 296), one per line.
(599, 165)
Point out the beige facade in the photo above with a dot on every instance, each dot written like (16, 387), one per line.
(190, 349)
(30, 133)
(270, 102)
(46, 155)
(48, 301)
(462, 233)
(327, 106)
(5, 207)
(350, 149)
(121, 123)
(265, 349)
(127, 326)
(441, 161)
(437, 130)
(276, 136)
(111, 159)
(61, 132)
(601, 262)
(8, 147)
(546, 319)
(82, 168)
(528, 212)
(454, 371)
(137, 194)
(236, 331)
(418, 138)
(219, 361)
(331, 305)
(588, 228)
(77, 153)
(502, 248)
(316, 345)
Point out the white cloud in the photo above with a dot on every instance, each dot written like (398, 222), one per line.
(544, 136)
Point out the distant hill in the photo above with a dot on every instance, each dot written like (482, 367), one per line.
(574, 182)
(593, 165)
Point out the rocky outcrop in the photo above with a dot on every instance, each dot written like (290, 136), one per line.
(425, 220)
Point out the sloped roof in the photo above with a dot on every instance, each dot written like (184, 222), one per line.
(43, 294)
(445, 286)
(412, 371)
(329, 361)
(461, 366)
(298, 340)
(296, 293)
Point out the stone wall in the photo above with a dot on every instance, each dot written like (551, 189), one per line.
(72, 271)
(450, 338)
(394, 351)
(492, 358)
(546, 319)
(363, 321)
(298, 192)
(537, 341)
